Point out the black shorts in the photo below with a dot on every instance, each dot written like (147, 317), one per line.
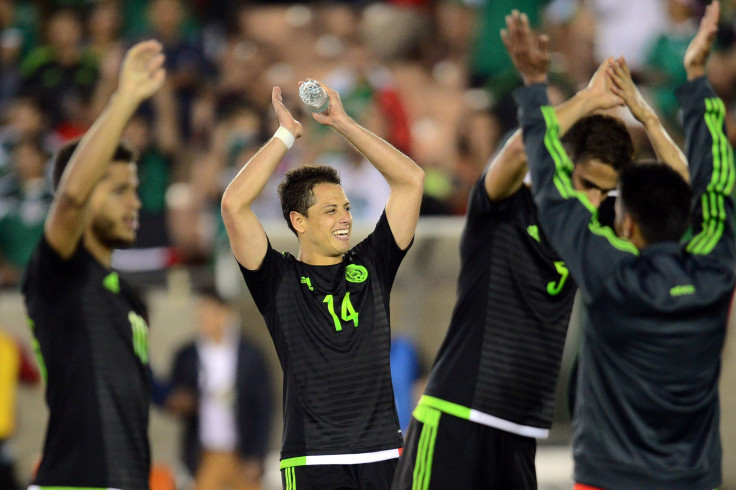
(447, 452)
(364, 476)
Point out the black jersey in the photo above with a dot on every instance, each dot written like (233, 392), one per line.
(93, 343)
(647, 408)
(330, 327)
(501, 356)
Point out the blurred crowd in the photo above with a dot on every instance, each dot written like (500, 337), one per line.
(431, 77)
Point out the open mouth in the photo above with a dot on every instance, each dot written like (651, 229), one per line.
(131, 223)
(343, 234)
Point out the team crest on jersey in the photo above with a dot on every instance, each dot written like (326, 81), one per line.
(308, 282)
(112, 282)
(533, 231)
(356, 273)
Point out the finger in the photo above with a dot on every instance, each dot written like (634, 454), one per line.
(514, 26)
(625, 66)
(505, 37)
(618, 72)
(143, 46)
(524, 28)
(619, 93)
(276, 94)
(616, 81)
(159, 77)
(156, 62)
(511, 29)
(543, 41)
(712, 12)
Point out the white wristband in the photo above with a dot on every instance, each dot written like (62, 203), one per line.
(284, 135)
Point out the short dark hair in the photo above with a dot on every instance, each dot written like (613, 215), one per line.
(123, 153)
(297, 189)
(601, 137)
(658, 198)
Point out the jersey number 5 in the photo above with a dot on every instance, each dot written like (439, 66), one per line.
(347, 312)
(554, 287)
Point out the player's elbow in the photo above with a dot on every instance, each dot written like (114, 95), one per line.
(72, 197)
(231, 204)
(416, 179)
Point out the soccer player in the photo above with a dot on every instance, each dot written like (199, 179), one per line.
(327, 309)
(490, 393)
(89, 325)
(647, 411)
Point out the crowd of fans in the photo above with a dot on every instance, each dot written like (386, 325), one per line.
(431, 77)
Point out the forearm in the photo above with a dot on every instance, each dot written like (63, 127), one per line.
(580, 105)
(89, 162)
(667, 151)
(507, 171)
(253, 177)
(702, 119)
(398, 169)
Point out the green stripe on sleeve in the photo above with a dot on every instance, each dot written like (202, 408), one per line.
(563, 182)
(720, 185)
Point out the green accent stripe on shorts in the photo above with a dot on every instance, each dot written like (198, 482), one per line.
(443, 406)
(430, 417)
(43, 487)
(290, 478)
(291, 462)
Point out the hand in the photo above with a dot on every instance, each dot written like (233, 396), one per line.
(283, 115)
(599, 90)
(623, 86)
(699, 48)
(528, 52)
(333, 115)
(142, 73)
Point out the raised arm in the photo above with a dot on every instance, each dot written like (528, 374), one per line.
(507, 170)
(589, 250)
(666, 150)
(247, 237)
(712, 172)
(141, 75)
(404, 176)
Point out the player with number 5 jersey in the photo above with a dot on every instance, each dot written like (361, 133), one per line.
(327, 309)
(490, 392)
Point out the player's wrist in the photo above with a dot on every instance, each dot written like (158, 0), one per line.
(694, 72)
(534, 78)
(286, 136)
(124, 100)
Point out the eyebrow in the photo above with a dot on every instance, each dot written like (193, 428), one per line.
(327, 206)
(593, 185)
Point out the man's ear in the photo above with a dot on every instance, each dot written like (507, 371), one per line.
(297, 221)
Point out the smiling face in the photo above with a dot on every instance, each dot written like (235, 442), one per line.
(595, 179)
(114, 207)
(324, 233)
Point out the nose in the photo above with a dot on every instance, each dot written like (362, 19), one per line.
(136, 202)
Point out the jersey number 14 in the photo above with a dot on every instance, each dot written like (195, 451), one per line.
(347, 312)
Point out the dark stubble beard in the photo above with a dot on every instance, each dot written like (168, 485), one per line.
(103, 229)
